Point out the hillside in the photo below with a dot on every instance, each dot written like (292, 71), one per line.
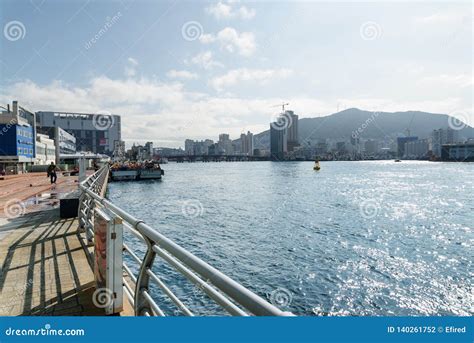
(341, 125)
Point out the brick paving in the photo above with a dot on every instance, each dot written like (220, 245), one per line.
(44, 267)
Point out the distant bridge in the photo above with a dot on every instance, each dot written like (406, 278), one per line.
(216, 158)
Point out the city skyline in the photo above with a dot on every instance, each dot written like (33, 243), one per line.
(194, 69)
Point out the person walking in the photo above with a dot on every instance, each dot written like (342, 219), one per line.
(52, 173)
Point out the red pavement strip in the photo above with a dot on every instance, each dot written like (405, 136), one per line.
(25, 186)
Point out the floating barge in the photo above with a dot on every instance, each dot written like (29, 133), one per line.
(147, 171)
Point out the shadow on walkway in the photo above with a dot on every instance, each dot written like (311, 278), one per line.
(45, 269)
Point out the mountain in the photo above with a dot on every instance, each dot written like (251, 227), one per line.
(366, 124)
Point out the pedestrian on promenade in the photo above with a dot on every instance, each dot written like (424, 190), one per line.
(52, 172)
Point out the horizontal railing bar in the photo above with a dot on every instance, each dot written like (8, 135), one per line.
(242, 295)
(131, 253)
(133, 231)
(129, 272)
(206, 288)
(128, 294)
(169, 293)
(153, 304)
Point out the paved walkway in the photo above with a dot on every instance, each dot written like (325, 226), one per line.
(32, 192)
(44, 267)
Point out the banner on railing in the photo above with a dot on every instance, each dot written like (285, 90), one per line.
(108, 242)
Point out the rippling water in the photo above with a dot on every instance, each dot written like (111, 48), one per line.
(356, 238)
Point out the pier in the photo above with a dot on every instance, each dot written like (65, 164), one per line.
(50, 264)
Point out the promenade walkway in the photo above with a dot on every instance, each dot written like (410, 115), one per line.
(32, 191)
(45, 265)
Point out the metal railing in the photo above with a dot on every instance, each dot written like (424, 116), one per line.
(229, 295)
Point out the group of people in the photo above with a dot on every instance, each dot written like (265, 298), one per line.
(135, 165)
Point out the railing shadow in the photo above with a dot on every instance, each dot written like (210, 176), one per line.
(46, 271)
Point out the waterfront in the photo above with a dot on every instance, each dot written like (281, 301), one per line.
(356, 238)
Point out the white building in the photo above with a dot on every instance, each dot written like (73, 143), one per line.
(45, 150)
(246, 141)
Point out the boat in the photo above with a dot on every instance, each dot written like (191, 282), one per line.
(397, 160)
(150, 171)
(147, 174)
(316, 166)
(124, 171)
(124, 175)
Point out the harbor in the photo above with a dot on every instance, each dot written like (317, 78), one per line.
(71, 266)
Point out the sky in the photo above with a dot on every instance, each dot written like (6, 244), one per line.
(193, 69)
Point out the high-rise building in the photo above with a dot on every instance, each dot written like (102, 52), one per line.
(189, 147)
(225, 145)
(416, 149)
(278, 142)
(96, 133)
(246, 141)
(292, 130)
(401, 144)
(371, 147)
(440, 137)
(119, 150)
(148, 154)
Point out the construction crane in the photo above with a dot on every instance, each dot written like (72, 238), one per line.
(282, 106)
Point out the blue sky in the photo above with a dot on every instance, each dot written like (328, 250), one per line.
(194, 69)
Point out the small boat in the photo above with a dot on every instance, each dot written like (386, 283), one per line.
(397, 160)
(316, 166)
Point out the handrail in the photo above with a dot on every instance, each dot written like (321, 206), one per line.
(224, 291)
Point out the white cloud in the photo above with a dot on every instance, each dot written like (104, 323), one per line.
(439, 18)
(236, 76)
(204, 60)
(229, 10)
(166, 113)
(231, 40)
(181, 74)
(130, 68)
(447, 80)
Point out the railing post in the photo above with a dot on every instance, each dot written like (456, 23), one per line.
(143, 280)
